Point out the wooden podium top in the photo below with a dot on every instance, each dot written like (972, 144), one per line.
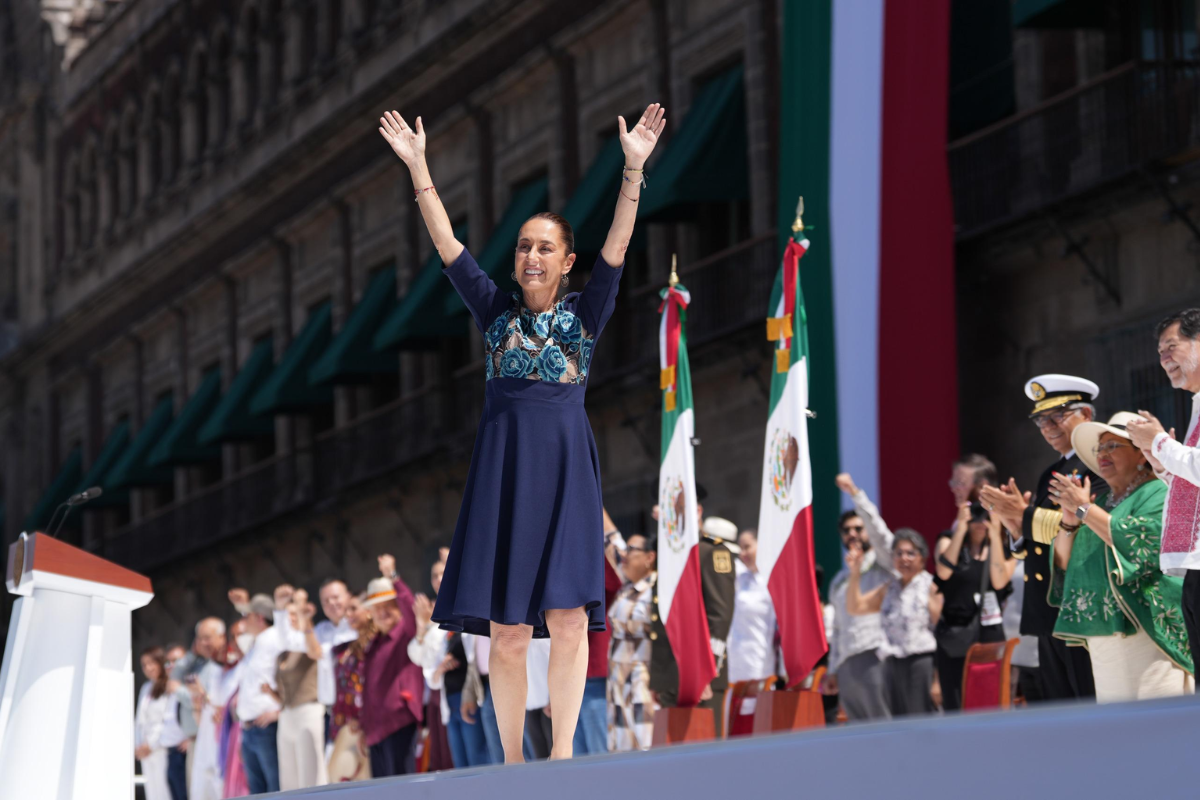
(44, 554)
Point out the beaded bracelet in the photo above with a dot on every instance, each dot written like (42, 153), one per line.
(418, 192)
(625, 177)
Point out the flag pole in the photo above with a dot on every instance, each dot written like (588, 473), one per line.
(673, 281)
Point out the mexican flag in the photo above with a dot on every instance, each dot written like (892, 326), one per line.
(680, 600)
(785, 523)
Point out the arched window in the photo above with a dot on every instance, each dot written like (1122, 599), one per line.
(247, 68)
(218, 83)
(70, 238)
(110, 191)
(309, 25)
(128, 180)
(170, 121)
(88, 194)
(152, 150)
(273, 41)
(197, 104)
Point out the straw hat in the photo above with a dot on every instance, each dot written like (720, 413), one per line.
(379, 591)
(1087, 435)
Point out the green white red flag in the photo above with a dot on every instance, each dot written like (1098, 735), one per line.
(785, 529)
(680, 598)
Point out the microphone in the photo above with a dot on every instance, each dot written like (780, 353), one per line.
(72, 501)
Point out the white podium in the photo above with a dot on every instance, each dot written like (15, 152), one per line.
(66, 688)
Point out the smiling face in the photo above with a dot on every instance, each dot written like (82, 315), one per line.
(334, 597)
(908, 560)
(1180, 358)
(1117, 459)
(542, 256)
(1057, 426)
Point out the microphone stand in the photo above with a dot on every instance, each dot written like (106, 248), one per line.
(50, 525)
(68, 506)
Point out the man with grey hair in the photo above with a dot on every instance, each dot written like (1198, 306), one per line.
(1061, 404)
(1178, 464)
(207, 783)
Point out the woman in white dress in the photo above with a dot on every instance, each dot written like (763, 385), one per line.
(154, 702)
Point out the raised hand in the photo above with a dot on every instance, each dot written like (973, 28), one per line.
(422, 609)
(846, 484)
(638, 143)
(387, 565)
(408, 143)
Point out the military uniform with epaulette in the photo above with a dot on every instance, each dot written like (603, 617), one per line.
(1064, 671)
(718, 587)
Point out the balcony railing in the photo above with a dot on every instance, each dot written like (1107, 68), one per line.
(1096, 133)
(730, 291)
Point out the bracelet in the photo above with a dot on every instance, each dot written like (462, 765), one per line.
(625, 177)
(627, 197)
(418, 192)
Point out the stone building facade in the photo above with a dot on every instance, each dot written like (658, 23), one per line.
(1077, 219)
(186, 183)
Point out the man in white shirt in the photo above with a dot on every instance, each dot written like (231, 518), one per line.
(1178, 464)
(855, 672)
(257, 708)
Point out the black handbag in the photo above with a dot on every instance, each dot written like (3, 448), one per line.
(956, 640)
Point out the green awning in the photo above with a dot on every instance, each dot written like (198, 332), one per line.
(590, 209)
(60, 488)
(97, 475)
(418, 322)
(232, 419)
(133, 467)
(350, 358)
(496, 258)
(1059, 13)
(287, 390)
(178, 444)
(705, 160)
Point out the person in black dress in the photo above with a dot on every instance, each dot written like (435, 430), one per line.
(974, 574)
(527, 558)
(1061, 404)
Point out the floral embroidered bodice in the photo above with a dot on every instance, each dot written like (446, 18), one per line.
(550, 346)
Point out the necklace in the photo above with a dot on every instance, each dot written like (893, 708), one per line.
(1112, 502)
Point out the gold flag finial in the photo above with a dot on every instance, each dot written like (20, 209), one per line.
(674, 279)
(798, 225)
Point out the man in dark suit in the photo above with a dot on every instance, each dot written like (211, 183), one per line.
(1061, 403)
(718, 585)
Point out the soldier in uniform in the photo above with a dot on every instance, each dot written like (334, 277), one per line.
(1061, 403)
(718, 584)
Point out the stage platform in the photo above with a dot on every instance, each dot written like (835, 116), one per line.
(1147, 749)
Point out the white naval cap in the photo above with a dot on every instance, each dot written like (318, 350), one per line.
(723, 529)
(1052, 391)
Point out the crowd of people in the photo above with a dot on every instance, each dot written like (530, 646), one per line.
(1096, 572)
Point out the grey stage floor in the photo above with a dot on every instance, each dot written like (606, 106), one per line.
(1149, 749)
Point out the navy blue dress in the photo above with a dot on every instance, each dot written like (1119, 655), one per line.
(530, 533)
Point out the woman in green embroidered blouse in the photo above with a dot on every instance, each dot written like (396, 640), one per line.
(1105, 575)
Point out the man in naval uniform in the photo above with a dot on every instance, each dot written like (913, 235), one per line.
(1061, 403)
(718, 587)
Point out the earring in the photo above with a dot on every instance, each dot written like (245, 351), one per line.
(1141, 467)
(565, 282)
(514, 275)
